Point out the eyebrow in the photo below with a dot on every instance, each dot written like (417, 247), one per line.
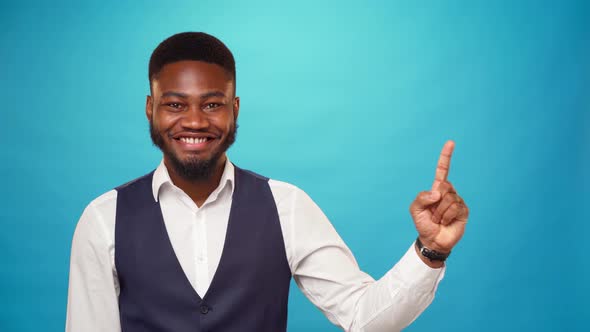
(174, 94)
(205, 95)
(210, 94)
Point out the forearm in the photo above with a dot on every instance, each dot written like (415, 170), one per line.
(399, 297)
(328, 275)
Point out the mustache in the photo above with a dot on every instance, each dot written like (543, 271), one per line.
(176, 133)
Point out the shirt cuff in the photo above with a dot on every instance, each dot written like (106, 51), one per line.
(413, 273)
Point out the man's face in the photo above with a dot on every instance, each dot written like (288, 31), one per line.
(192, 114)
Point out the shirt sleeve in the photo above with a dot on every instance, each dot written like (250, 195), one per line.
(92, 292)
(327, 273)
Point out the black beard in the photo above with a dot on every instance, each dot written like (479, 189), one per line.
(193, 169)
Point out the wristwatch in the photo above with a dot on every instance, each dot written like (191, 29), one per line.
(431, 254)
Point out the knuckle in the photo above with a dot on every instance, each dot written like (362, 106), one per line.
(416, 201)
(436, 214)
(448, 198)
(451, 211)
(448, 187)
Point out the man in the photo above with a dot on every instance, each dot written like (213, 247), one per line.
(202, 245)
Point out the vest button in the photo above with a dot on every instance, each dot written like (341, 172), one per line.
(204, 309)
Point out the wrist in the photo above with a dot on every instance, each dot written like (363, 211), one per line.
(432, 245)
(431, 255)
(428, 262)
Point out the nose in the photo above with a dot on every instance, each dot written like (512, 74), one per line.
(195, 119)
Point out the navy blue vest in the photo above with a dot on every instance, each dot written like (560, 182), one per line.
(249, 291)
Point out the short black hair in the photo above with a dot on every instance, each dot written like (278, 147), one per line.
(197, 46)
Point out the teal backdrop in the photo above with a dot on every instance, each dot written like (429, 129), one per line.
(349, 100)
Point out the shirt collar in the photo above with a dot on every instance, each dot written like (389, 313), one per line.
(162, 177)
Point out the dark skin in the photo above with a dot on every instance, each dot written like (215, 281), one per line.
(194, 108)
(440, 215)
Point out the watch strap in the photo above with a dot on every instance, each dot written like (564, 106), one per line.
(431, 254)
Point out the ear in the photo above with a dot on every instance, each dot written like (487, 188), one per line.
(149, 107)
(236, 107)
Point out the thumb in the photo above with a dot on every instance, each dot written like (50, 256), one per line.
(424, 200)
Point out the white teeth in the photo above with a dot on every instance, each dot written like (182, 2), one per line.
(192, 140)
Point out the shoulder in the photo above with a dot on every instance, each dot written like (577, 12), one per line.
(99, 214)
(287, 196)
(145, 180)
(97, 222)
(104, 201)
(104, 206)
(291, 199)
(282, 190)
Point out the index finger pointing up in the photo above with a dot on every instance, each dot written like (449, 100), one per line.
(444, 164)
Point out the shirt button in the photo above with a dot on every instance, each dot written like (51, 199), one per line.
(204, 309)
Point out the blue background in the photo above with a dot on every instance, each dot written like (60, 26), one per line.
(349, 100)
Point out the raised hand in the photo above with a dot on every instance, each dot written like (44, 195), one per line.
(440, 215)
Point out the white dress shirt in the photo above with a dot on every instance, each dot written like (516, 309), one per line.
(322, 265)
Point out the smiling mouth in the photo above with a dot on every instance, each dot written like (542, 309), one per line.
(193, 140)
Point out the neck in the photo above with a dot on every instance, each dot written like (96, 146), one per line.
(198, 190)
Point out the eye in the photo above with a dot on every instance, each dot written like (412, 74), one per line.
(211, 106)
(174, 106)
